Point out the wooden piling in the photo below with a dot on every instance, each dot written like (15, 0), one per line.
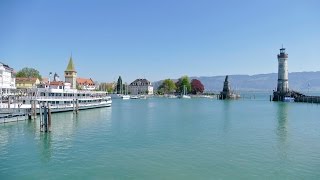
(41, 116)
(9, 98)
(34, 109)
(45, 119)
(49, 115)
(31, 110)
(77, 106)
(74, 106)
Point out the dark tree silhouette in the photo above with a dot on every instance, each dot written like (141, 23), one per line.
(196, 87)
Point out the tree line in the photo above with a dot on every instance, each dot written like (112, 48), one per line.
(168, 86)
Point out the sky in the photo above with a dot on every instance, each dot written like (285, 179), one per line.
(158, 39)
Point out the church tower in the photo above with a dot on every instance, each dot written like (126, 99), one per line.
(70, 74)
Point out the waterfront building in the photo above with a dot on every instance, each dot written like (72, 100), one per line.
(26, 83)
(44, 80)
(70, 74)
(7, 80)
(140, 86)
(86, 84)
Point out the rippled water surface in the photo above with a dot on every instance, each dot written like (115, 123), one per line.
(168, 139)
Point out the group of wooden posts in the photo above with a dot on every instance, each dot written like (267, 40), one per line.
(45, 113)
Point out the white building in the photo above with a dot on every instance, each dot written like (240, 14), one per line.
(140, 86)
(7, 80)
(86, 84)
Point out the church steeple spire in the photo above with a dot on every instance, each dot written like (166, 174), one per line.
(70, 66)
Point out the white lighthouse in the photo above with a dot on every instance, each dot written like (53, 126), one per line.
(283, 84)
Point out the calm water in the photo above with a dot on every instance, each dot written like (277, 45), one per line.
(168, 139)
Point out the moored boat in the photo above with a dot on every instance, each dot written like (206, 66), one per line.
(288, 99)
(62, 98)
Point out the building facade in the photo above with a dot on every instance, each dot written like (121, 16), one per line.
(140, 87)
(7, 79)
(27, 83)
(85, 84)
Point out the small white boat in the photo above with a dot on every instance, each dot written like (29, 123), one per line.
(116, 96)
(172, 96)
(184, 95)
(288, 99)
(134, 97)
(125, 97)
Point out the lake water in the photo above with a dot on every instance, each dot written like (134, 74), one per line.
(168, 139)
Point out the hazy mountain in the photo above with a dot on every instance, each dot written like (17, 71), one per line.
(261, 82)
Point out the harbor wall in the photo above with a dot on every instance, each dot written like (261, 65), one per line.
(308, 99)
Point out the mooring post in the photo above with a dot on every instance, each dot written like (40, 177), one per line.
(9, 102)
(33, 109)
(49, 117)
(77, 106)
(31, 112)
(45, 118)
(41, 116)
(74, 106)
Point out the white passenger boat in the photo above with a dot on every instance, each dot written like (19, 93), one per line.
(61, 98)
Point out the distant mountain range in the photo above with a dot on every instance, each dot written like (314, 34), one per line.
(298, 81)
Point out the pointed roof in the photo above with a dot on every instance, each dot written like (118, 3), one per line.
(70, 66)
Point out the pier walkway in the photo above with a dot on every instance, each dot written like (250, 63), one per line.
(12, 115)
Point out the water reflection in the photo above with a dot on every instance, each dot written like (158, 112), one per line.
(282, 128)
(45, 146)
(64, 129)
(226, 115)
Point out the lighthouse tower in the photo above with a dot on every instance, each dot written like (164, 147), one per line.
(283, 84)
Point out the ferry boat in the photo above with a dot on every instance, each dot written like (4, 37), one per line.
(62, 98)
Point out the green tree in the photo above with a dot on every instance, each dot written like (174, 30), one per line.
(108, 87)
(167, 87)
(29, 73)
(183, 82)
(119, 87)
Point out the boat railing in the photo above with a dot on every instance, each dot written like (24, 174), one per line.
(62, 97)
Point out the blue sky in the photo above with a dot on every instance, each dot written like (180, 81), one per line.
(159, 39)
